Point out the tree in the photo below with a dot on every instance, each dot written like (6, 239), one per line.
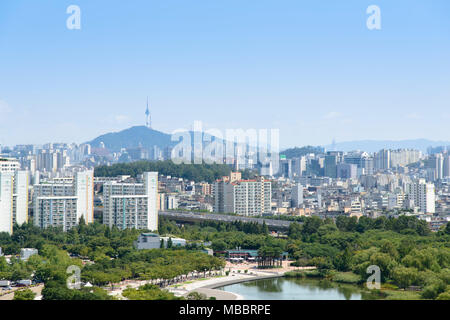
(343, 259)
(265, 228)
(26, 294)
(323, 264)
(311, 225)
(422, 259)
(196, 296)
(295, 231)
(346, 223)
(444, 295)
(385, 262)
(389, 248)
(148, 292)
(364, 224)
(405, 277)
(433, 290)
(82, 222)
(267, 256)
(219, 245)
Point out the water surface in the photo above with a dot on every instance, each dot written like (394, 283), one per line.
(296, 289)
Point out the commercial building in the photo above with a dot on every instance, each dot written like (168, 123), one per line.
(346, 170)
(286, 168)
(363, 161)
(297, 196)
(298, 166)
(61, 203)
(446, 166)
(132, 205)
(330, 165)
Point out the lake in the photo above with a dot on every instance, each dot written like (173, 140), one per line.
(297, 289)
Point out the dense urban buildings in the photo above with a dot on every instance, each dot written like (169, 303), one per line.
(309, 181)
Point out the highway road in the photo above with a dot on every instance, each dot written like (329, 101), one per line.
(195, 217)
(186, 216)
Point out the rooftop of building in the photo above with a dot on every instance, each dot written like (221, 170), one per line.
(149, 234)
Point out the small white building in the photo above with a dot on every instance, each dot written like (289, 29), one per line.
(26, 253)
(153, 241)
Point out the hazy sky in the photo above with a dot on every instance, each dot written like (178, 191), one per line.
(310, 68)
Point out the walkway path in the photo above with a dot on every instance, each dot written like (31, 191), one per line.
(35, 289)
(237, 274)
(208, 286)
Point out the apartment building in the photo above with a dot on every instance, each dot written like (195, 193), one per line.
(9, 165)
(243, 197)
(132, 205)
(13, 199)
(61, 203)
(422, 195)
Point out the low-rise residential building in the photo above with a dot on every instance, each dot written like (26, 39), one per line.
(154, 241)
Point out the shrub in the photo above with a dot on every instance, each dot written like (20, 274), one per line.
(26, 294)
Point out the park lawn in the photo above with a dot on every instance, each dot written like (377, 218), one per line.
(401, 295)
(346, 277)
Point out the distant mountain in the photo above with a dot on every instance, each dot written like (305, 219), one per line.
(299, 152)
(377, 145)
(142, 136)
(132, 138)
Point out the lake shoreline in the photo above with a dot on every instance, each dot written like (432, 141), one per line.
(340, 288)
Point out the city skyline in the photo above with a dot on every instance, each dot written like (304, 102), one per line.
(315, 71)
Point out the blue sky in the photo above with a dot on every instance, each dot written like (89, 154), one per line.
(310, 68)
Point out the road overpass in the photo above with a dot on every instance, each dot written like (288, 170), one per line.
(185, 216)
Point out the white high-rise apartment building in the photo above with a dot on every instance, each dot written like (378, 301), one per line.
(9, 165)
(386, 159)
(61, 203)
(423, 196)
(13, 199)
(243, 197)
(403, 157)
(132, 205)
